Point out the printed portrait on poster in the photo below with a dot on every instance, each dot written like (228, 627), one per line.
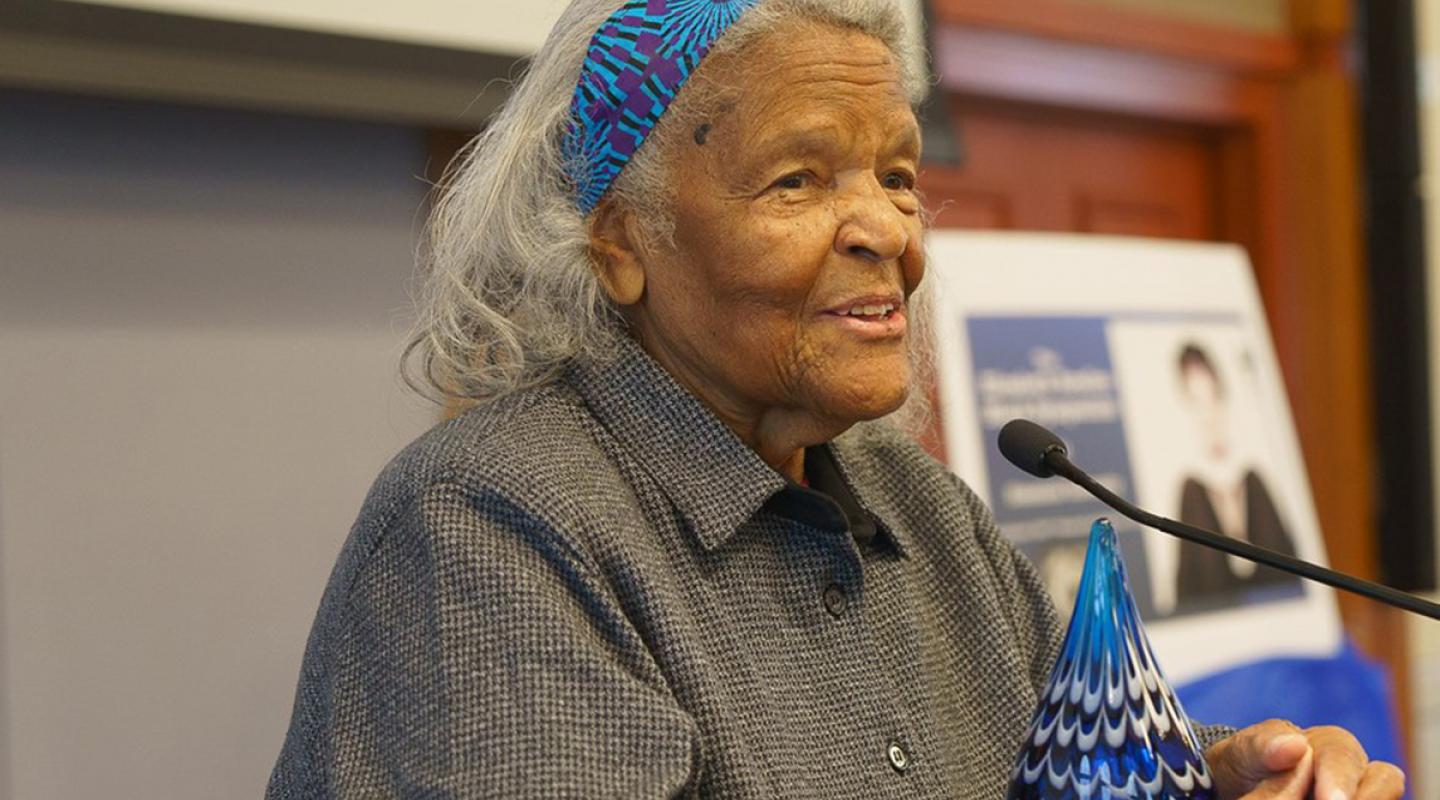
(1214, 467)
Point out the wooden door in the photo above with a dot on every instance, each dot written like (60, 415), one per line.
(1049, 170)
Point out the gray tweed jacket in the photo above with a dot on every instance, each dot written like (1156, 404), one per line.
(586, 590)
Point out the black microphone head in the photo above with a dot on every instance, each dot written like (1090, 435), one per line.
(1025, 444)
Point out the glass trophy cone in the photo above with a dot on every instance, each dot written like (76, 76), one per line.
(1108, 726)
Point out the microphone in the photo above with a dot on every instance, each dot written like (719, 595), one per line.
(1041, 453)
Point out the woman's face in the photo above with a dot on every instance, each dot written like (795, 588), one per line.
(797, 234)
(1203, 394)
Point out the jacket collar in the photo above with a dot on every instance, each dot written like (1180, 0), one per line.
(857, 461)
(714, 480)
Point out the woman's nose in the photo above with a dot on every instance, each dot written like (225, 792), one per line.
(871, 227)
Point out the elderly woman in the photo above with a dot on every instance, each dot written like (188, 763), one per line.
(670, 551)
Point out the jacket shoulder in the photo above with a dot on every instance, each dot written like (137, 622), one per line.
(530, 459)
(533, 435)
(533, 444)
(523, 464)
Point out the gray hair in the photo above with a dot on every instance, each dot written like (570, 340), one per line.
(508, 293)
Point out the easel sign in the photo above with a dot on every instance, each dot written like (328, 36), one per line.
(1152, 359)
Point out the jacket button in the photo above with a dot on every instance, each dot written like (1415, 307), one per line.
(836, 600)
(899, 759)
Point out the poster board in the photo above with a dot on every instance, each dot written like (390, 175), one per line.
(1153, 361)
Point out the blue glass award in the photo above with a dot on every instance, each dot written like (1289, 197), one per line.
(1108, 725)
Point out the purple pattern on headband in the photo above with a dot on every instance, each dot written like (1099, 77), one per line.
(637, 62)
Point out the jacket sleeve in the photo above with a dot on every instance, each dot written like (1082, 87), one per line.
(477, 654)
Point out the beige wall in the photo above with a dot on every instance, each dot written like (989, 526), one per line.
(1428, 35)
(1425, 636)
(1269, 16)
(514, 27)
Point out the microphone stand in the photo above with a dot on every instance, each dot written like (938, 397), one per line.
(1060, 463)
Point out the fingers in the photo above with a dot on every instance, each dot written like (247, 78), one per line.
(1291, 784)
(1284, 751)
(1276, 761)
(1381, 781)
(1340, 763)
(1256, 754)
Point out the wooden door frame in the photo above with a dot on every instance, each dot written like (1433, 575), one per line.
(1282, 108)
(1117, 28)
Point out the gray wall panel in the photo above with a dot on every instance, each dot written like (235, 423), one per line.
(200, 314)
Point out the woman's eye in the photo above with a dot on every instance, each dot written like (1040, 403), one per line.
(796, 180)
(898, 181)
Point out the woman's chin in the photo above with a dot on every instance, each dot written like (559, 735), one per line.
(860, 402)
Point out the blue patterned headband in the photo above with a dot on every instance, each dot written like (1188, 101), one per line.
(637, 62)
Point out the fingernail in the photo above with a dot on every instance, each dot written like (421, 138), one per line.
(1339, 794)
(1279, 743)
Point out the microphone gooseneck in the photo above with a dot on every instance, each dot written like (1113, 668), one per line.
(1041, 453)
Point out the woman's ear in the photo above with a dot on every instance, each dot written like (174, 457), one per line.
(615, 252)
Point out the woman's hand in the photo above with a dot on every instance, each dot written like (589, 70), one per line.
(1275, 760)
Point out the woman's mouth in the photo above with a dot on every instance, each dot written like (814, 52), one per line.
(872, 320)
(872, 312)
